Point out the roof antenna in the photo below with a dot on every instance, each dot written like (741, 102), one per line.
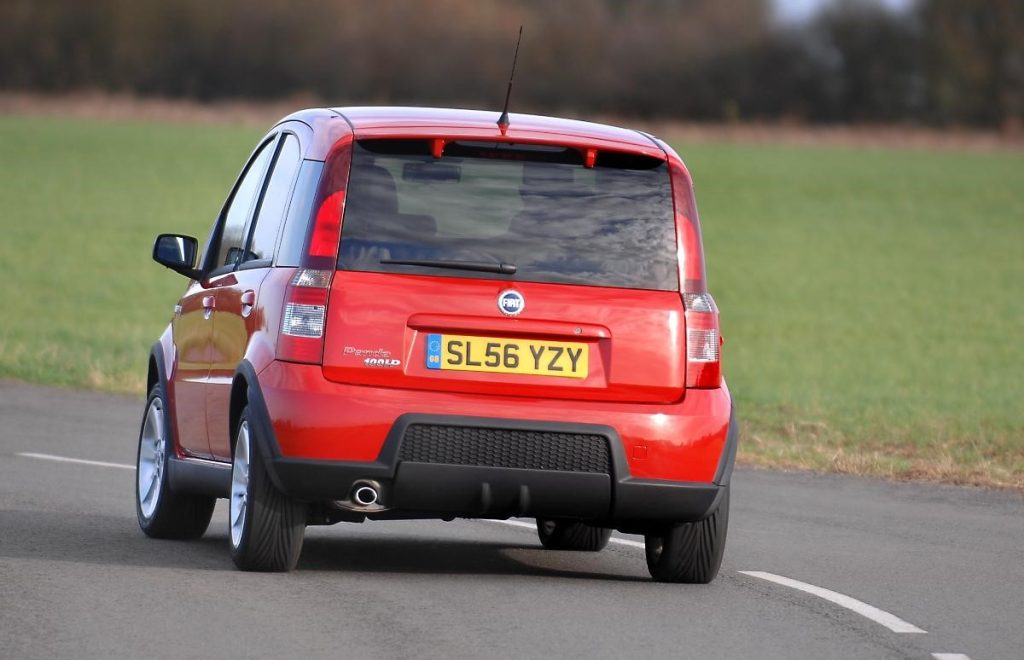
(503, 119)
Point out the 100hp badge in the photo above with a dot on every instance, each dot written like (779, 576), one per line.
(381, 362)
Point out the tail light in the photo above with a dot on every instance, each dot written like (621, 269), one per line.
(703, 342)
(305, 313)
(703, 335)
(305, 299)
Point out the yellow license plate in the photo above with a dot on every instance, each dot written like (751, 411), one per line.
(507, 356)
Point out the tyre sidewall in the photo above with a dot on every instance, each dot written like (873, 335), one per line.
(677, 541)
(566, 535)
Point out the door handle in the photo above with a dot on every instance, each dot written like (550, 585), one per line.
(248, 300)
(209, 302)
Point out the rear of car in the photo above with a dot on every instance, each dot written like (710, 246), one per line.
(484, 322)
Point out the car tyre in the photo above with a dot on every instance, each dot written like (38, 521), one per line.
(689, 552)
(265, 526)
(571, 535)
(162, 512)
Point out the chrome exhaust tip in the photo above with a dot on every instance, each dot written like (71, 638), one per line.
(365, 494)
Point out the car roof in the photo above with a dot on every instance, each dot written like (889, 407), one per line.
(451, 123)
(383, 117)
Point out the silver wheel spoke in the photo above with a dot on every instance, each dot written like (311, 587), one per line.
(149, 489)
(239, 513)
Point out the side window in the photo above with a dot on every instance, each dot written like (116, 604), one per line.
(275, 201)
(232, 234)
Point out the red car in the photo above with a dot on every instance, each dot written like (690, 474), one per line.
(419, 313)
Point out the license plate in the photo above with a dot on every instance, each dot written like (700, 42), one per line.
(507, 356)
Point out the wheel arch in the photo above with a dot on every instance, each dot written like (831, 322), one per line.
(152, 373)
(246, 393)
(156, 375)
(239, 399)
(157, 370)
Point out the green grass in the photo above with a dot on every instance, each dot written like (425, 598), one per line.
(871, 299)
(872, 306)
(80, 205)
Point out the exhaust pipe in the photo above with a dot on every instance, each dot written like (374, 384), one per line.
(365, 494)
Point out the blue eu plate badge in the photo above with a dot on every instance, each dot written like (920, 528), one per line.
(433, 351)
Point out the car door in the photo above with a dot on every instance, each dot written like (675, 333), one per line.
(192, 332)
(238, 315)
(222, 260)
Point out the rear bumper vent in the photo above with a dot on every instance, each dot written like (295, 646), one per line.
(505, 448)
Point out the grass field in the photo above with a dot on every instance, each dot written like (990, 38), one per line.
(872, 299)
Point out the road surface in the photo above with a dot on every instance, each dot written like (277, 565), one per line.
(78, 579)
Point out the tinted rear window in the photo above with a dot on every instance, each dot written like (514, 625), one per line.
(535, 207)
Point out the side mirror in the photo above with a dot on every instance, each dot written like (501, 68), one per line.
(177, 253)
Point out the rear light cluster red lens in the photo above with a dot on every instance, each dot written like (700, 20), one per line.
(305, 313)
(703, 335)
(325, 233)
(691, 247)
(323, 241)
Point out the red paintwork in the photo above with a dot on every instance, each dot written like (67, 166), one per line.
(455, 124)
(343, 410)
(636, 350)
(191, 351)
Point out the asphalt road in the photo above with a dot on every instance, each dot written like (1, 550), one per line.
(78, 579)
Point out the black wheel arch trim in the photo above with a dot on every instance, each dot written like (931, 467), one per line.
(259, 420)
(156, 353)
(727, 461)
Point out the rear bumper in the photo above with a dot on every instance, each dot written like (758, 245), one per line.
(326, 437)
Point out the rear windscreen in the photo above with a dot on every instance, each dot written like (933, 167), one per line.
(535, 207)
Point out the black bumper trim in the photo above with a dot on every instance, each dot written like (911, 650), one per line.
(475, 491)
(650, 499)
(486, 491)
(728, 458)
(324, 480)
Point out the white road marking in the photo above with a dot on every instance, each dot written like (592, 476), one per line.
(81, 461)
(890, 621)
(533, 527)
(950, 656)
